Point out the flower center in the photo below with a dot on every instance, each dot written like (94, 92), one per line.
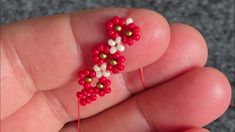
(88, 79)
(103, 56)
(128, 33)
(113, 62)
(118, 28)
(100, 85)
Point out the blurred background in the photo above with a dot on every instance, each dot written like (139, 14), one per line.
(213, 18)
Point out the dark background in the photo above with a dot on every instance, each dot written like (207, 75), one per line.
(213, 18)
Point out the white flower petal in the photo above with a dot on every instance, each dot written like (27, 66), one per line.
(113, 50)
(129, 21)
(118, 40)
(98, 74)
(106, 73)
(96, 68)
(120, 47)
(111, 42)
(103, 66)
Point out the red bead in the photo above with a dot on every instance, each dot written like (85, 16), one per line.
(79, 95)
(93, 97)
(111, 32)
(86, 85)
(86, 72)
(106, 49)
(100, 62)
(136, 37)
(89, 90)
(84, 93)
(114, 70)
(96, 58)
(95, 52)
(121, 67)
(116, 55)
(122, 22)
(131, 25)
(107, 90)
(124, 39)
(95, 90)
(130, 42)
(109, 25)
(100, 47)
(81, 75)
(121, 59)
(101, 93)
(92, 74)
(83, 102)
(115, 35)
(115, 20)
(81, 82)
(102, 79)
(136, 29)
(88, 100)
(109, 67)
(107, 82)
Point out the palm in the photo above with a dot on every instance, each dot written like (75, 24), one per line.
(38, 92)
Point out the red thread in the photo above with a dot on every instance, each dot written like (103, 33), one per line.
(142, 77)
(78, 120)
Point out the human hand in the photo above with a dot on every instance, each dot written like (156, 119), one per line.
(40, 59)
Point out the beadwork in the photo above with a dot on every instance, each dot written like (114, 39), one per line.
(108, 59)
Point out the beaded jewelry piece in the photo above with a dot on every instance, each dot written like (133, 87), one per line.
(108, 59)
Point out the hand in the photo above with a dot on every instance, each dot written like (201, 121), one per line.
(40, 59)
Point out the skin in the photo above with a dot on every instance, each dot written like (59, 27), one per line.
(40, 58)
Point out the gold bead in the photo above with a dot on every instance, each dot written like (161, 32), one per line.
(128, 33)
(118, 28)
(113, 62)
(88, 79)
(100, 85)
(103, 56)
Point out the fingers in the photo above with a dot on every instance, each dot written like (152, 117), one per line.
(50, 50)
(187, 50)
(192, 100)
(183, 54)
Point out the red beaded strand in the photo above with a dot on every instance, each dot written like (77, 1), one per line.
(108, 59)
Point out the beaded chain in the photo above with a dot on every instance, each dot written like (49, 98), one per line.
(108, 59)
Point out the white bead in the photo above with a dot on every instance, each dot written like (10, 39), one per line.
(129, 21)
(98, 74)
(96, 68)
(113, 50)
(118, 40)
(111, 42)
(103, 66)
(120, 48)
(106, 73)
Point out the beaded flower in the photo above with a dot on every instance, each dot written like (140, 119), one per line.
(116, 63)
(86, 96)
(116, 26)
(124, 28)
(116, 45)
(86, 77)
(102, 86)
(130, 34)
(100, 54)
(101, 70)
